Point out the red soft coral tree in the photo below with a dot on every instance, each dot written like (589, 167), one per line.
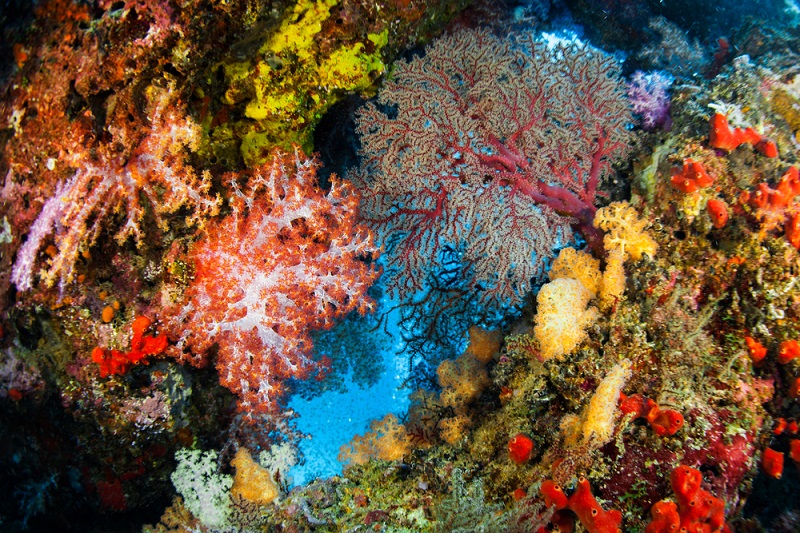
(491, 148)
(289, 259)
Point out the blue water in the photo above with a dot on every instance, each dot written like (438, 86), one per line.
(335, 416)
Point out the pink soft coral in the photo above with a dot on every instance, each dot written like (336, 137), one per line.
(288, 260)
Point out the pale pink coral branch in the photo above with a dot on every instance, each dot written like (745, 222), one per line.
(105, 185)
(23, 271)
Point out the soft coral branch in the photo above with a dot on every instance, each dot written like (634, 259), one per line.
(105, 184)
(289, 259)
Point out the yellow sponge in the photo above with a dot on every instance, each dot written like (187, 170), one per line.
(562, 317)
(252, 482)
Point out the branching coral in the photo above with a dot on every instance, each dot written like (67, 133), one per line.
(105, 184)
(476, 159)
(291, 258)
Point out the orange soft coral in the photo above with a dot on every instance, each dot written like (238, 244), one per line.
(387, 440)
(625, 230)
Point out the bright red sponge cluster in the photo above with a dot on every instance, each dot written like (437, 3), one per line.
(777, 198)
(665, 422)
(726, 138)
(697, 510)
(691, 177)
(593, 517)
(142, 346)
(775, 206)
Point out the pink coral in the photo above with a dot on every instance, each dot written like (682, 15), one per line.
(492, 149)
(290, 259)
(77, 102)
(105, 184)
(649, 95)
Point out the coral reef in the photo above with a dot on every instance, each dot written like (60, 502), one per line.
(580, 263)
(105, 184)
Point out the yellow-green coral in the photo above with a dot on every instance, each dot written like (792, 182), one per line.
(298, 28)
(462, 380)
(625, 230)
(646, 177)
(387, 440)
(562, 317)
(787, 106)
(252, 482)
(595, 426)
(291, 80)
